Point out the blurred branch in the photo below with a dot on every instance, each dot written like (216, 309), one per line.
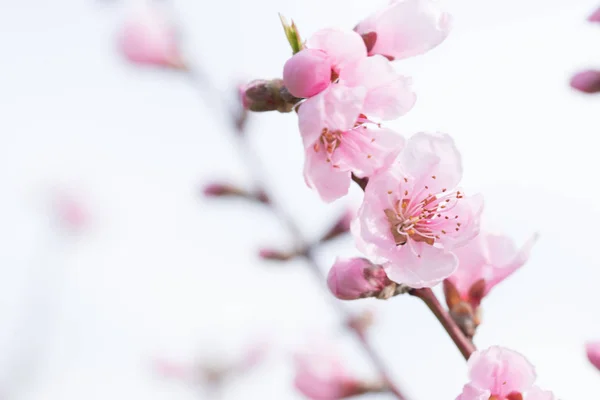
(210, 94)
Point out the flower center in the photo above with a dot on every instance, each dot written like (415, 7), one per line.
(423, 217)
(331, 140)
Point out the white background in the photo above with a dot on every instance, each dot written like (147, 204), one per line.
(162, 272)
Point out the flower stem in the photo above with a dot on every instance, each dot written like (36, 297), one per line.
(465, 346)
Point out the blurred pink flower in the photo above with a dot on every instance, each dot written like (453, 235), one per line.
(320, 375)
(335, 145)
(595, 17)
(486, 261)
(501, 374)
(586, 81)
(310, 71)
(71, 211)
(592, 350)
(405, 28)
(355, 278)
(413, 215)
(148, 37)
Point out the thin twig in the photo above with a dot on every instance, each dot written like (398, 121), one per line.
(254, 165)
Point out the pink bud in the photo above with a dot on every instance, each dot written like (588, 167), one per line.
(222, 189)
(593, 353)
(355, 278)
(275, 255)
(307, 73)
(261, 95)
(595, 17)
(148, 37)
(586, 81)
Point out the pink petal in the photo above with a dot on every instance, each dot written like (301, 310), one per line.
(149, 38)
(329, 182)
(367, 149)
(586, 81)
(434, 158)
(593, 353)
(471, 392)
(420, 265)
(504, 258)
(341, 46)
(501, 371)
(472, 262)
(307, 73)
(406, 28)
(538, 394)
(389, 95)
(336, 108)
(468, 209)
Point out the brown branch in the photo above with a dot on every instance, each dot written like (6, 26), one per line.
(465, 346)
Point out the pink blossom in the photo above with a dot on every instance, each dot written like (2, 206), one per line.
(320, 375)
(335, 145)
(486, 261)
(501, 374)
(71, 211)
(586, 81)
(355, 278)
(341, 57)
(148, 37)
(413, 215)
(592, 350)
(405, 28)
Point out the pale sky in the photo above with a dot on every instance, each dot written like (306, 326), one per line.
(162, 272)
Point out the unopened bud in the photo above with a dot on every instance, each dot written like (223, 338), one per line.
(263, 95)
(361, 322)
(276, 255)
(592, 350)
(356, 278)
(341, 227)
(586, 81)
(227, 190)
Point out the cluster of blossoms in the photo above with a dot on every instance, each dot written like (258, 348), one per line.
(416, 226)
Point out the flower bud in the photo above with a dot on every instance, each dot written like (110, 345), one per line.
(355, 278)
(307, 73)
(586, 81)
(262, 95)
(276, 255)
(592, 350)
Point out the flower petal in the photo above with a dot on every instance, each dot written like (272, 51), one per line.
(501, 370)
(418, 265)
(389, 94)
(340, 45)
(319, 174)
(406, 28)
(435, 158)
(471, 392)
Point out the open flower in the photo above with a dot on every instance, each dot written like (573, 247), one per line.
(336, 144)
(501, 374)
(404, 28)
(484, 262)
(148, 37)
(413, 215)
